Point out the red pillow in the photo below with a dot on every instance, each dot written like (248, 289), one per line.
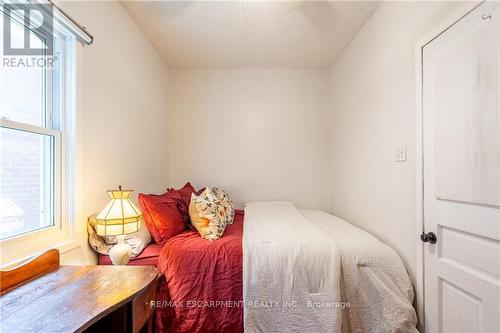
(185, 192)
(161, 215)
(185, 199)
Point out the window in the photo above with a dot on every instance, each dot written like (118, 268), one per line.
(36, 139)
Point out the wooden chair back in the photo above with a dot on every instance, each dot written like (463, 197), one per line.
(35, 267)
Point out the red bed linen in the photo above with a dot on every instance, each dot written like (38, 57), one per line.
(198, 271)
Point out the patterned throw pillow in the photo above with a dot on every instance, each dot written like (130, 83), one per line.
(211, 212)
(226, 206)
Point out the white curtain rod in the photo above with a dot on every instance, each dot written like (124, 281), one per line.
(79, 30)
(58, 15)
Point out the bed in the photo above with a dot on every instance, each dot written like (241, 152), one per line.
(260, 275)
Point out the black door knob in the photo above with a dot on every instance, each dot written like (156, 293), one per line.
(429, 237)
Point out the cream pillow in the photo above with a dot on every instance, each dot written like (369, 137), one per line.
(211, 212)
(225, 202)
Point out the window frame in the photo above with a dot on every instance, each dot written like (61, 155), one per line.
(59, 124)
(56, 172)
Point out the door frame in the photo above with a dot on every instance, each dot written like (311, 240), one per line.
(435, 32)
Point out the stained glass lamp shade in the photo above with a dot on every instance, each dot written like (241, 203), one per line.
(120, 216)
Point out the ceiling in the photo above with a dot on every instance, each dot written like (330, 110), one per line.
(249, 33)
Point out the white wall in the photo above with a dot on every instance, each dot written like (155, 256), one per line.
(373, 110)
(122, 117)
(261, 134)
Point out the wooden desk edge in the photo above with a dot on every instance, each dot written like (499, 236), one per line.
(117, 305)
(155, 275)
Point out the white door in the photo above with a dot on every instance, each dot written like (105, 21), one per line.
(461, 144)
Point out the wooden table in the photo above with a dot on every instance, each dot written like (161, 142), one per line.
(82, 298)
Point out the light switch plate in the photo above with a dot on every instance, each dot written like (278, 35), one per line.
(401, 154)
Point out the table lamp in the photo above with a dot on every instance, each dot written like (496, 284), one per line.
(118, 218)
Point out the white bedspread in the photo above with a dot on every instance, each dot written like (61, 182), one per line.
(291, 272)
(374, 279)
(298, 267)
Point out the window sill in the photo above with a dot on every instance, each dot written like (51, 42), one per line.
(63, 247)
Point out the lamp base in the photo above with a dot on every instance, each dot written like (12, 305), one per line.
(121, 252)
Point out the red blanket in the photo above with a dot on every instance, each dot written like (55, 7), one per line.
(202, 290)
